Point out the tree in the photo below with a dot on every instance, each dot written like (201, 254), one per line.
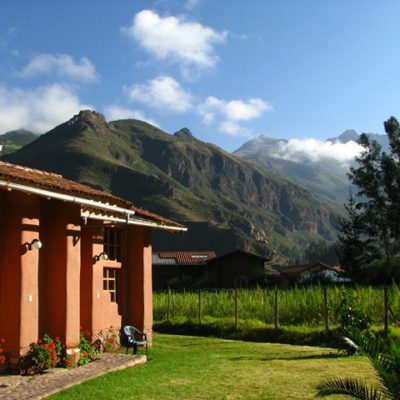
(355, 249)
(321, 251)
(374, 214)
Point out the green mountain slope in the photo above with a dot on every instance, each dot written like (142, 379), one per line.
(14, 140)
(227, 202)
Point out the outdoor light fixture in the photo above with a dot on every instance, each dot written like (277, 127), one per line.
(35, 244)
(102, 256)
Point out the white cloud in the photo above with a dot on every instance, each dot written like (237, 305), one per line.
(232, 112)
(114, 112)
(62, 65)
(163, 93)
(38, 110)
(174, 39)
(243, 111)
(233, 128)
(316, 150)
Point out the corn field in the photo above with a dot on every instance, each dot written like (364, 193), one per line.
(296, 306)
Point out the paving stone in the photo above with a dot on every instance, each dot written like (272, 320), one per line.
(15, 387)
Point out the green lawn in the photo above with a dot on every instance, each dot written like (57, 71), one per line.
(185, 367)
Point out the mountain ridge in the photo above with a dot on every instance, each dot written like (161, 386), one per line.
(199, 184)
(326, 178)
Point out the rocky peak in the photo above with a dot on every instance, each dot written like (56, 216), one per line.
(88, 116)
(346, 136)
(184, 133)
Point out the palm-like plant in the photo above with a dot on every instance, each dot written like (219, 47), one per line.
(385, 358)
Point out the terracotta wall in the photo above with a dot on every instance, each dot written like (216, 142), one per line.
(98, 313)
(19, 225)
(59, 287)
(138, 309)
(59, 284)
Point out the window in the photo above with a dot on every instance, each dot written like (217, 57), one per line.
(112, 243)
(110, 283)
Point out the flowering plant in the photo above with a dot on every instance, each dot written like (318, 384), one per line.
(43, 354)
(88, 351)
(3, 357)
(46, 352)
(109, 340)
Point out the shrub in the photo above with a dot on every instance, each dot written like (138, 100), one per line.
(88, 351)
(384, 357)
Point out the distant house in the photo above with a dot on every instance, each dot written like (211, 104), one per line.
(308, 273)
(203, 269)
(237, 269)
(70, 257)
(180, 269)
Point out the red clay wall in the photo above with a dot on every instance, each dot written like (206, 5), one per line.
(19, 225)
(59, 284)
(138, 309)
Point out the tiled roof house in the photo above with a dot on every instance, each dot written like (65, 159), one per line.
(71, 256)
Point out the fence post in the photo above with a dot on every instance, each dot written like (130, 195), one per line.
(169, 305)
(326, 311)
(199, 306)
(236, 306)
(276, 308)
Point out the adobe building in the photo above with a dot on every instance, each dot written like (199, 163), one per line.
(237, 269)
(71, 257)
(204, 269)
(180, 269)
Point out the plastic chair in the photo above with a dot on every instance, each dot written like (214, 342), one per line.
(132, 335)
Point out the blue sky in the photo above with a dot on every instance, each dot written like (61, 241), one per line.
(228, 70)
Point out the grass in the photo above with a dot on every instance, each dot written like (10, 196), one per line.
(185, 367)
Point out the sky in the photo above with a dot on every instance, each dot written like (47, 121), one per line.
(229, 70)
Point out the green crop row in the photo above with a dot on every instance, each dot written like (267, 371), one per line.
(296, 306)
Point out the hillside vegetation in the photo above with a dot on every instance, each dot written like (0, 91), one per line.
(226, 202)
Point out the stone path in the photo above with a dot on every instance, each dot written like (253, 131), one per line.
(15, 387)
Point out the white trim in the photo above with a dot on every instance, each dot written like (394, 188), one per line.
(91, 203)
(134, 221)
(66, 197)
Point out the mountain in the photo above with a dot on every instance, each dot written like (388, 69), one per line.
(326, 178)
(14, 140)
(226, 202)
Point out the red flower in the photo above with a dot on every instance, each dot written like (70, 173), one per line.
(3, 340)
(2, 359)
(57, 338)
(40, 341)
(1, 349)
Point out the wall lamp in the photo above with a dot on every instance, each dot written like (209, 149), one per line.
(102, 256)
(35, 244)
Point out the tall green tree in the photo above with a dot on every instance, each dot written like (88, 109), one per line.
(374, 213)
(355, 249)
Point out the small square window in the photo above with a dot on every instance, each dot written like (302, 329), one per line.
(110, 283)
